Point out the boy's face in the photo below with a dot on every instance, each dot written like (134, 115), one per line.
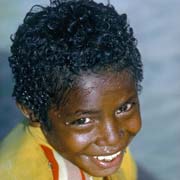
(98, 121)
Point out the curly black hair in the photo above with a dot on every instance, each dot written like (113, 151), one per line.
(55, 43)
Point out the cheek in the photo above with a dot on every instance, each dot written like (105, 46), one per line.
(134, 124)
(70, 142)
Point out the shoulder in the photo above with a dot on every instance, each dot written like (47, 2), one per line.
(21, 156)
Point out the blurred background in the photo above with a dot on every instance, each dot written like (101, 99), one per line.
(157, 27)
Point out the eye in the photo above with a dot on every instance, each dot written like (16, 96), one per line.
(124, 108)
(81, 121)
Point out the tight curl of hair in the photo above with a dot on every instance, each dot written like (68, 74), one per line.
(56, 42)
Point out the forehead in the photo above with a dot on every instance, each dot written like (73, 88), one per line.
(91, 89)
(109, 80)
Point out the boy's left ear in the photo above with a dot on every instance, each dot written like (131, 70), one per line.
(33, 121)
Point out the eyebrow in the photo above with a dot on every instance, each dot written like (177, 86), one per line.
(134, 96)
(85, 111)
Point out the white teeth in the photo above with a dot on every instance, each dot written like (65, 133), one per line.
(108, 158)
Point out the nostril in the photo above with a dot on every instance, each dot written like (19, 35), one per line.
(122, 132)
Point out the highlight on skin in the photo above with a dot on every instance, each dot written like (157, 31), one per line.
(57, 43)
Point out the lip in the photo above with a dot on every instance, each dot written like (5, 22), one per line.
(114, 163)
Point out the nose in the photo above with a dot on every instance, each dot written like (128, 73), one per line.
(108, 133)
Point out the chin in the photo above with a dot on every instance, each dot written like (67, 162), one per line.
(102, 173)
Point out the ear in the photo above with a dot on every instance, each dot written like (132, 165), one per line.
(33, 121)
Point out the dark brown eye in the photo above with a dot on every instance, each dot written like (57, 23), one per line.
(80, 121)
(124, 108)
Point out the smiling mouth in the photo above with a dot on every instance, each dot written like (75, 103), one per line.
(109, 157)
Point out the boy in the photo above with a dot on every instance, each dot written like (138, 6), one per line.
(77, 74)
